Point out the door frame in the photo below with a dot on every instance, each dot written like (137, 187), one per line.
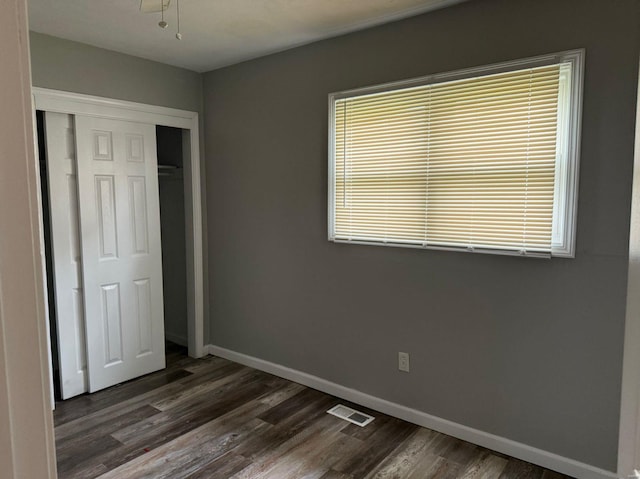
(80, 104)
(27, 446)
(629, 438)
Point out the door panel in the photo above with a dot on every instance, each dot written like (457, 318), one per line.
(66, 252)
(121, 251)
(138, 205)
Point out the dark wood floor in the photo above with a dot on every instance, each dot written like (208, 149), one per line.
(211, 418)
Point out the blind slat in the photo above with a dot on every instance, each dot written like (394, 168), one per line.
(467, 163)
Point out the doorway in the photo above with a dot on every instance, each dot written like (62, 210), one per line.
(177, 193)
(172, 217)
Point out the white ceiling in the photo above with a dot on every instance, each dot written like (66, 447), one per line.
(215, 33)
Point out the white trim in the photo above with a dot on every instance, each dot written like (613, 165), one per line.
(397, 244)
(26, 422)
(503, 445)
(565, 209)
(629, 439)
(78, 104)
(194, 241)
(568, 218)
(569, 56)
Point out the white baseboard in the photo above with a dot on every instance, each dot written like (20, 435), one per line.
(176, 338)
(521, 451)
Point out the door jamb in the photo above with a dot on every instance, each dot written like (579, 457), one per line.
(79, 104)
(629, 439)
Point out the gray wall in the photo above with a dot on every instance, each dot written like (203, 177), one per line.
(70, 66)
(526, 349)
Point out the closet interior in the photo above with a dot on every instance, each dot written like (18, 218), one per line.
(171, 188)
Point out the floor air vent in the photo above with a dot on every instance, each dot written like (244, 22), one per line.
(351, 415)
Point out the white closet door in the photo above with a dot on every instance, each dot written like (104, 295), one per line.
(65, 247)
(121, 255)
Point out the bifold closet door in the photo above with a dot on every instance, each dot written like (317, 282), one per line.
(66, 252)
(121, 249)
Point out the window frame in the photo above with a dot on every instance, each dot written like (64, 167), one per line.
(567, 176)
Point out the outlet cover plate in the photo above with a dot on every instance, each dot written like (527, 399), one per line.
(403, 362)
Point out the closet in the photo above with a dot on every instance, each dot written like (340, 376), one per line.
(113, 202)
(172, 225)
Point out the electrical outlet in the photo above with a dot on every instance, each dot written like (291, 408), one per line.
(403, 362)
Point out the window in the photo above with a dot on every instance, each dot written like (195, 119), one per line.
(481, 160)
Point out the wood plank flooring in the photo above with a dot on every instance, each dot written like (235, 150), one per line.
(211, 418)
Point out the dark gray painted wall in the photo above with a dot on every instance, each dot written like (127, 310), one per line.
(70, 66)
(523, 348)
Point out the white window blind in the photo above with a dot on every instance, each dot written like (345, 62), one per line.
(470, 164)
